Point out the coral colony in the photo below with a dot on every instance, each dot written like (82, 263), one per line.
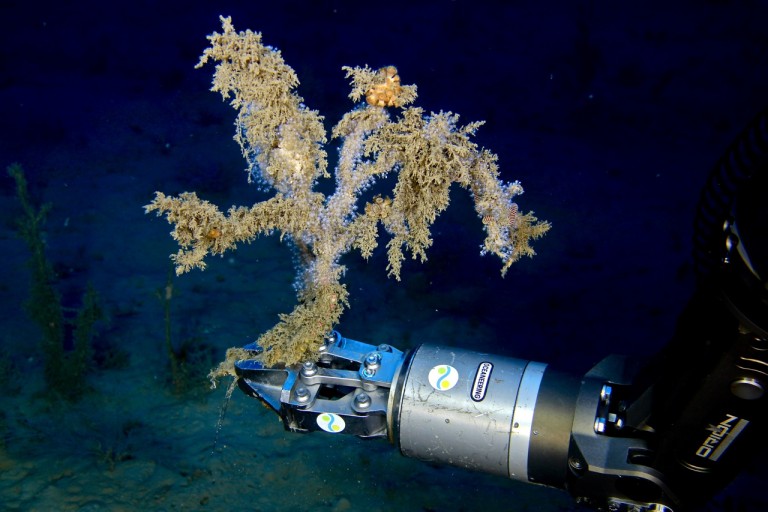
(283, 142)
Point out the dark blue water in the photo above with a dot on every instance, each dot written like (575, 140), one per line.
(610, 116)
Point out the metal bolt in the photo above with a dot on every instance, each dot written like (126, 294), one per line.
(371, 364)
(600, 425)
(605, 393)
(329, 339)
(308, 369)
(302, 394)
(362, 401)
(384, 348)
(747, 388)
(575, 464)
(372, 360)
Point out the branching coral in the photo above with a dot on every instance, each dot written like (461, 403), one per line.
(283, 142)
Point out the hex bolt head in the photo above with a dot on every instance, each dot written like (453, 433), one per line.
(372, 362)
(600, 425)
(576, 464)
(362, 401)
(605, 393)
(302, 394)
(308, 369)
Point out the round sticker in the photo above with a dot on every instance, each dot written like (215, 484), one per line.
(443, 377)
(330, 422)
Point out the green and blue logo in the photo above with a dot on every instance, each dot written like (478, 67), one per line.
(443, 377)
(330, 422)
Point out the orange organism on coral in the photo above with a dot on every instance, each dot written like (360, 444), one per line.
(385, 94)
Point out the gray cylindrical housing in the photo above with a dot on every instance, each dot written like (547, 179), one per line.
(467, 409)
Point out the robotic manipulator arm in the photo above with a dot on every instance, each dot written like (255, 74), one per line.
(664, 436)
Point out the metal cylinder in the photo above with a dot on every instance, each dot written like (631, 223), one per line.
(467, 409)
